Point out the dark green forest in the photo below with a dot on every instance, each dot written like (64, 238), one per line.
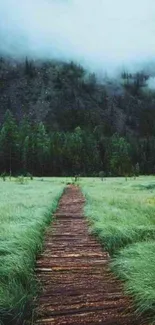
(58, 119)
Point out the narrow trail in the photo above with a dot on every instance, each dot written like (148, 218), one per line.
(78, 287)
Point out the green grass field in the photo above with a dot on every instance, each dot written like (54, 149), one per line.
(25, 211)
(122, 215)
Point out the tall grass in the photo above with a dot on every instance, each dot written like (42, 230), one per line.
(136, 265)
(122, 215)
(25, 211)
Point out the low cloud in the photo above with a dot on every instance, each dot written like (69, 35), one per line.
(103, 35)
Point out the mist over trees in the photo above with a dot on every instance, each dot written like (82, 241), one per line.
(58, 119)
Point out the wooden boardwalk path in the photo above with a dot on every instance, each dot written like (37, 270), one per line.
(78, 287)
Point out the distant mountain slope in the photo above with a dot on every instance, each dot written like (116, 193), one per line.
(64, 95)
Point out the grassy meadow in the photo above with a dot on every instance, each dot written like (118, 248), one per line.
(122, 215)
(25, 211)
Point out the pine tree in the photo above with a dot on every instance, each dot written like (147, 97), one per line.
(118, 154)
(42, 147)
(24, 141)
(9, 143)
(25, 154)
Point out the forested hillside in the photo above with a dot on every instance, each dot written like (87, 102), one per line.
(56, 118)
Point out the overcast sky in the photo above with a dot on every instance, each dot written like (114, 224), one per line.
(99, 33)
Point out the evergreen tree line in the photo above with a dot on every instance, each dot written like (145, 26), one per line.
(27, 147)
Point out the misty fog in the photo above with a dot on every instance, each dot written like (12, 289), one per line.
(100, 34)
